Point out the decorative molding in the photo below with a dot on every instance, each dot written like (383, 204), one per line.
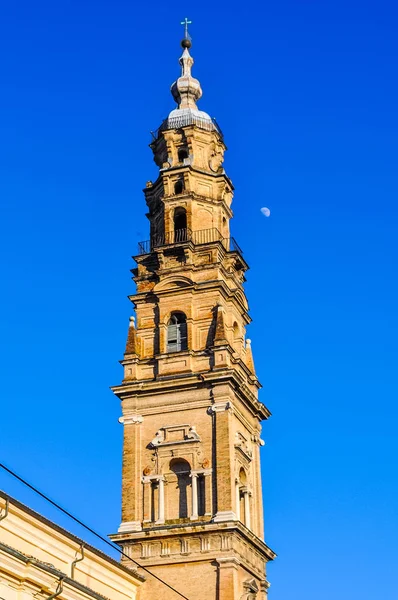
(242, 444)
(219, 407)
(131, 419)
(145, 550)
(166, 436)
(204, 472)
(165, 549)
(128, 526)
(226, 561)
(257, 440)
(150, 478)
(184, 546)
(250, 585)
(204, 544)
(225, 515)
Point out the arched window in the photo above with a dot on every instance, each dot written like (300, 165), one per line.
(177, 338)
(179, 186)
(180, 224)
(182, 470)
(182, 154)
(244, 500)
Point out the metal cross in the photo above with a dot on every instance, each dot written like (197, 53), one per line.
(186, 23)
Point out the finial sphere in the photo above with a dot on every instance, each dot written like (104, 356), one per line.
(186, 43)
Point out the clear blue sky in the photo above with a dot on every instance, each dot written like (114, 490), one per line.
(306, 93)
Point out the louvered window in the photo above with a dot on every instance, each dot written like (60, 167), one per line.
(177, 338)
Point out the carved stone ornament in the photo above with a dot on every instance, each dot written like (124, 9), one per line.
(192, 434)
(216, 159)
(174, 435)
(206, 463)
(131, 420)
(158, 439)
(146, 471)
(251, 588)
(243, 445)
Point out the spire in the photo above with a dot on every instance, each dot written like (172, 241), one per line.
(132, 342)
(220, 337)
(249, 357)
(186, 90)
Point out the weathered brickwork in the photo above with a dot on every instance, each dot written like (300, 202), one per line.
(191, 492)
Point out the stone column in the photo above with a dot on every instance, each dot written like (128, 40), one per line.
(208, 494)
(237, 508)
(194, 515)
(146, 484)
(160, 519)
(247, 508)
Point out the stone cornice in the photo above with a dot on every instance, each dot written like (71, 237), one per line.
(188, 381)
(191, 168)
(198, 528)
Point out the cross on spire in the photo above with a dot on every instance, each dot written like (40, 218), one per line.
(185, 22)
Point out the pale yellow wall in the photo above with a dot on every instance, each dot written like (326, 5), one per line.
(27, 534)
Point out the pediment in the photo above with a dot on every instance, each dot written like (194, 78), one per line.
(174, 435)
(171, 283)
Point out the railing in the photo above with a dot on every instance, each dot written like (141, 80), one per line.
(187, 119)
(180, 236)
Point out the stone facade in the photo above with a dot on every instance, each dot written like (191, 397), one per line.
(191, 492)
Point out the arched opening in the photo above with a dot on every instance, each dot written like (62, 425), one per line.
(179, 186)
(244, 501)
(201, 496)
(180, 224)
(181, 468)
(182, 154)
(177, 338)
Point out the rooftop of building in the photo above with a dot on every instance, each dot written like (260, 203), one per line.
(14, 513)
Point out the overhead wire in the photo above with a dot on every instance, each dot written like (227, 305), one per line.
(95, 533)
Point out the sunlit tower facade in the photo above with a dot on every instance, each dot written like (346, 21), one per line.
(192, 509)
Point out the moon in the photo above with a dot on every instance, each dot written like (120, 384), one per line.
(266, 211)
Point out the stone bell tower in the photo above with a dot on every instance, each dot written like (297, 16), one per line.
(192, 503)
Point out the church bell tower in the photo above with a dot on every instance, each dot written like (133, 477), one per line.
(191, 493)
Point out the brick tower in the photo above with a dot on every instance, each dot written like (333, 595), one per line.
(192, 502)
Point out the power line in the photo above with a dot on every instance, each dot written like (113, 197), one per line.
(98, 535)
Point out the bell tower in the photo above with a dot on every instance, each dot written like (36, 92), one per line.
(191, 492)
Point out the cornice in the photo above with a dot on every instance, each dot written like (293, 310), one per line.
(191, 168)
(197, 528)
(184, 382)
(196, 288)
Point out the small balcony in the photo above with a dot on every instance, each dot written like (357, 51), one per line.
(183, 236)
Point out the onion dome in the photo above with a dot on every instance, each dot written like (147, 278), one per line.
(186, 91)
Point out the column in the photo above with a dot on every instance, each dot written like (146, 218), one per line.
(147, 509)
(208, 493)
(160, 519)
(194, 515)
(247, 508)
(237, 507)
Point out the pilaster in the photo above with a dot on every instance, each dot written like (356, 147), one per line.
(131, 496)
